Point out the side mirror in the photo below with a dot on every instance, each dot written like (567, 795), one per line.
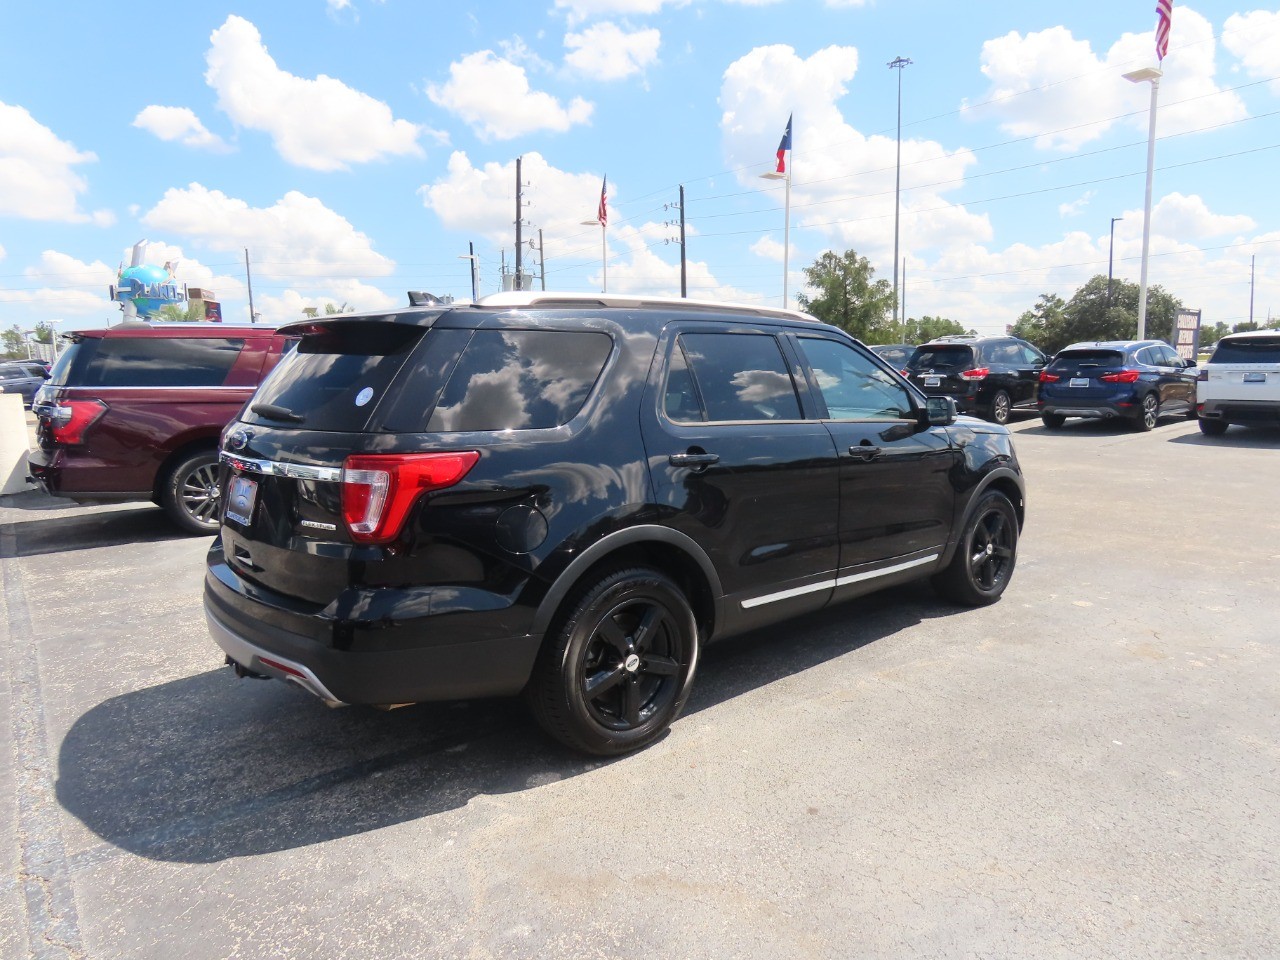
(1189, 362)
(940, 411)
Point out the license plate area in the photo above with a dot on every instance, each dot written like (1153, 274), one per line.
(240, 500)
(1255, 378)
(1078, 382)
(933, 381)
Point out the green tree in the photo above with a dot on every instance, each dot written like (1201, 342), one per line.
(176, 313)
(1091, 314)
(1211, 335)
(15, 344)
(928, 328)
(43, 332)
(846, 296)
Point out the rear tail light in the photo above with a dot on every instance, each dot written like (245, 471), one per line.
(69, 420)
(977, 373)
(905, 372)
(1047, 377)
(1121, 376)
(378, 490)
(1203, 374)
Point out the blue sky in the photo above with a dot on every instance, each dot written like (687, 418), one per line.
(356, 148)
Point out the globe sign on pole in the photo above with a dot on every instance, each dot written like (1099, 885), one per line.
(143, 289)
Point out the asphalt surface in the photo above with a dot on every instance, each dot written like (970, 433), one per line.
(1086, 769)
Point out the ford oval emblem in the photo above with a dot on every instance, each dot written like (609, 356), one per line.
(364, 396)
(238, 440)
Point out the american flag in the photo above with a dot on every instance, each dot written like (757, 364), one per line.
(785, 145)
(1164, 11)
(603, 213)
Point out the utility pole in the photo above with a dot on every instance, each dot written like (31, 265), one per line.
(475, 282)
(1111, 258)
(904, 301)
(898, 63)
(253, 317)
(519, 218)
(1251, 259)
(684, 272)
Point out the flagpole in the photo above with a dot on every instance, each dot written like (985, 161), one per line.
(786, 234)
(604, 259)
(1152, 74)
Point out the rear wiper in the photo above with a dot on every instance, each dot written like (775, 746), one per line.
(272, 412)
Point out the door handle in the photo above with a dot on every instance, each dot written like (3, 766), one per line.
(867, 452)
(695, 461)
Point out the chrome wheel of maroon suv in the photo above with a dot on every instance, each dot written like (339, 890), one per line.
(568, 497)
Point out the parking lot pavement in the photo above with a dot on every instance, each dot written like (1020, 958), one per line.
(1087, 768)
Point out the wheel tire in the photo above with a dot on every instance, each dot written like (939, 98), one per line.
(615, 673)
(1000, 408)
(985, 556)
(1149, 415)
(190, 494)
(1053, 421)
(1213, 428)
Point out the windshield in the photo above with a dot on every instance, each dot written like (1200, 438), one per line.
(936, 357)
(1248, 350)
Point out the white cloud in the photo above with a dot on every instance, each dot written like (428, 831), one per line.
(605, 52)
(493, 95)
(769, 249)
(1076, 207)
(67, 285)
(297, 236)
(38, 180)
(1179, 216)
(290, 303)
(580, 10)
(1254, 39)
(321, 124)
(1048, 84)
(843, 183)
(178, 123)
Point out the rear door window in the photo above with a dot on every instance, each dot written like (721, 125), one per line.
(1250, 350)
(154, 362)
(520, 380)
(741, 376)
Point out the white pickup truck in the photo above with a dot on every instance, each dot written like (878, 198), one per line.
(1240, 383)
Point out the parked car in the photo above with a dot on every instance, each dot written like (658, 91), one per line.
(989, 376)
(1138, 381)
(134, 412)
(1241, 382)
(896, 354)
(24, 377)
(569, 495)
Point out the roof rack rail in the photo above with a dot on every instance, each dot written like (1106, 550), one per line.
(605, 300)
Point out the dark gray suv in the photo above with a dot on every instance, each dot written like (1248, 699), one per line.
(569, 496)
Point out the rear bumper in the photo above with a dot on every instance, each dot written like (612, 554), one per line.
(335, 660)
(57, 475)
(1241, 411)
(1093, 411)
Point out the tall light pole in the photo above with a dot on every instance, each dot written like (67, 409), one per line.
(1111, 258)
(1141, 76)
(898, 63)
(475, 282)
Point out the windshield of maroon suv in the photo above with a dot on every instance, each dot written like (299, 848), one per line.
(945, 357)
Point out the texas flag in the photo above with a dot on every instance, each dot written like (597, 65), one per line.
(784, 147)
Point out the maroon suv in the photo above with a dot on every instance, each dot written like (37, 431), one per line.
(134, 412)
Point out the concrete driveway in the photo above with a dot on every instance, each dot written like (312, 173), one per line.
(1086, 769)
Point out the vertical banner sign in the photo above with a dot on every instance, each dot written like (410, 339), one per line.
(1186, 333)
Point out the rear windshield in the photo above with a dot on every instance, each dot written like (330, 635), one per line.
(147, 362)
(333, 380)
(1087, 358)
(13, 373)
(520, 380)
(1251, 350)
(941, 358)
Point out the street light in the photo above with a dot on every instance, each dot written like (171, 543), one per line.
(475, 284)
(1142, 76)
(604, 252)
(1111, 253)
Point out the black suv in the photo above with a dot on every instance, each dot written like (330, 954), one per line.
(568, 496)
(989, 376)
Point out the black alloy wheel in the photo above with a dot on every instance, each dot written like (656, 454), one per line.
(984, 559)
(1149, 414)
(1053, 421)
(190, 495)
(617, 672)
(1213, 428)
(1001, 407)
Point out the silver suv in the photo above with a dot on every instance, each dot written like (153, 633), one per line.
(1240, 383)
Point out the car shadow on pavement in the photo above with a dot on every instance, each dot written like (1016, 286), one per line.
(91, 528)
(1259, 438)
(207, 768)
